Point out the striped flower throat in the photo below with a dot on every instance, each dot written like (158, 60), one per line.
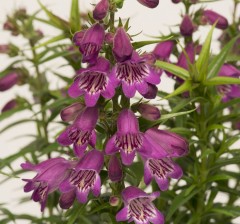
(80, 137)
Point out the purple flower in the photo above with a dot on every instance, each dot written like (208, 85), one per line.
(91, 43)
(9, 105)
(151, 92)
(85, 177)
(66, 199)
(212, 17)
(122, 48)
(128, 138)
(50, 174)
(135, 75)
(77, 38)
(71, 112)
(138, 207)
(8, 81)
(149, 3)
(93, 82)
(187, 27)
(229, 91)
(115, 172)
(163, 50)
(176, 1)
(81, 132)
(161, 170)
(101, 10)
(149, 112)
(182, 60)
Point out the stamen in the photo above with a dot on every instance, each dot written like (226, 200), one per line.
(160, 167)
(84, 179)
(132, 72)
(129, 142)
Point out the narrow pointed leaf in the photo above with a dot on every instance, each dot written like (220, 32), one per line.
(75, 17)
(223, 80)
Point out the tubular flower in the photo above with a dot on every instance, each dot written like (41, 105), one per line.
(115, 172)
(101, 10)
(229, 91)
(212, 17)
(77, 38)
(187, 27)
(163, 50)
(151, 92)
(9, 105)
(8, 81)
(149, 3)
(50, 174)
(128, 138)
(135, 75)
(84, 178)
(93, 82)
(91, 43)
(70, 113)
(81, 132)
(149, 112)
(138, 207)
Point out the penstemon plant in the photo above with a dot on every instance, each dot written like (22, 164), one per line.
(120, 155)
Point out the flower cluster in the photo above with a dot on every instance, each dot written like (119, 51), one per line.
(121, 75)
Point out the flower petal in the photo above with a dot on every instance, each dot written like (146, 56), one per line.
(128, 90)
(82, 196)
(63, 138)
(153, 77)
(162, 183)
(147, 175)
(79, 149)
(97, 186)
(132, 192)
(110, 146)
(66, 199)
(159, 219)
(74, 90)
(127, 122)
(177, 172)
(109, 92)
(142, 87)
(91, 99)
(127, 158)
(65, 186)
(122, 215)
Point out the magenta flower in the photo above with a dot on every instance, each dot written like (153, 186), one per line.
(151, 92)
(176, 1)
(163, 50)
(71, 112)
(8, 81)
(9, 105)
(84, 178)
(138, 207)
(93, 82)
(229, 91)
(77, 38)
(187, 27)
(115, 172)
(212, 17)
(128, 138)
(182, 60)
(81, 132)
(101, 9)
(50, 174)
(149, 3)
(149, 112)
(91, 43)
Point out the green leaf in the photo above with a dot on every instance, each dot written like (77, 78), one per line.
(140, 44)
(11, 112)
(219, 60)
(202, 61)
(227, 210)
(176, 70)
(181, 199)
(50, 41)
(218, 177)
(221, 80)
(75, 17)
(74, 213)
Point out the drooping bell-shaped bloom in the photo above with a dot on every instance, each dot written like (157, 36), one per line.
(187, 27)
(165, 143)
(9, 105)
(81, 132)
(93, 82)
(50, 174)
(138, 207)
(122, 47)
(128, 139)
(163, 50)
(85, 177)
(161, 170)
(212, 17)
(149, 112)
(101, 9)
(115, 172)
(229, 91)
(91, 43)
(8, 81)
(134, 75)
(149, 3)
(71, 112)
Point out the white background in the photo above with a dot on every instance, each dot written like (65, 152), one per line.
(151, 22)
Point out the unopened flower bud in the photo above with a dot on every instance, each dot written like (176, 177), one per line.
(212, 17)
(176, 1)
(101, 10)
(115, 169)
(70, 113)
(9, 105)
(149, 3)
(8, 81)
(114, 201)
(109, 38)
(149, 112)
(151, 93)
(186, 27)
(163, 50)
